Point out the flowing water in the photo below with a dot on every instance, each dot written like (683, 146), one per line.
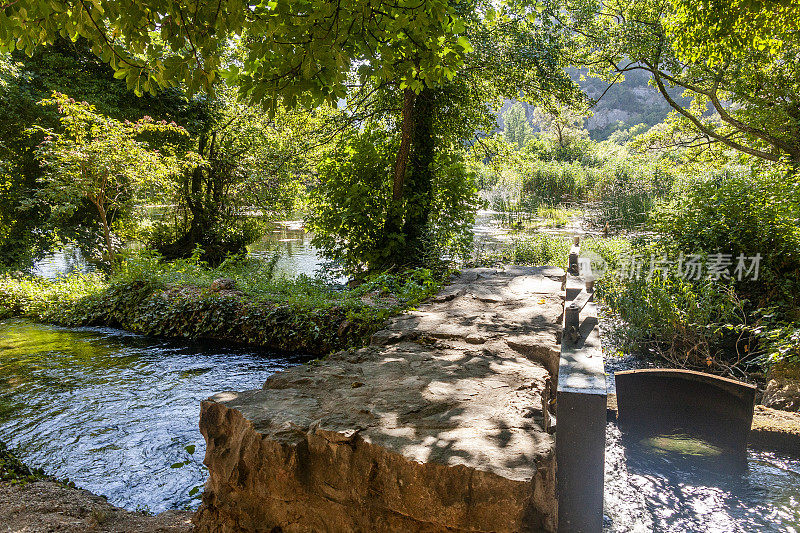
(674, 483)
(113, 411)
(677, 483)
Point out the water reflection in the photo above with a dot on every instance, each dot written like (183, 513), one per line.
(113, 411)
(289, 240)
(671, 483)
(66, 260)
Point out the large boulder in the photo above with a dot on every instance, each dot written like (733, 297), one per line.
(437, 426)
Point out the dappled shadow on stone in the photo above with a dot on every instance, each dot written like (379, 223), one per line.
(436, 426)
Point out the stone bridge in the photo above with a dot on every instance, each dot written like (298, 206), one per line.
(441, 424)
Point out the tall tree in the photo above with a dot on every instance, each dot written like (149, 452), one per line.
(516, 127)
(100, 160)
(299, 51)
(67, 67)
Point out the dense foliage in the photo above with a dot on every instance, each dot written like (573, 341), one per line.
(99, 160)
(378, 123)
(178, 299)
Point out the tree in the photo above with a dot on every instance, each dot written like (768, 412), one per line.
(517, 129)
(249, 161)
(301, 51)
(736, 60)
(517, 52)
(561, 127)
(100, 160)
(309, 51)
(26, 228)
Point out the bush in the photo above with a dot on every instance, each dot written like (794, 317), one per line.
(628, 191)
(174, 300)
(736, 211)
(556, 182)
(45, 299)
(348, 208)
(697, 325)
(537, 249)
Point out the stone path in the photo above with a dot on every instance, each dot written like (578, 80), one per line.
(436, 426)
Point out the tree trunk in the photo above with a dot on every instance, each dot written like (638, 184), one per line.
(406, 135)
(419, 194)
(106, 229)
(194, 198)
(393, 241)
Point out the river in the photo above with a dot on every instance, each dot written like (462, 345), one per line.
(113, 411)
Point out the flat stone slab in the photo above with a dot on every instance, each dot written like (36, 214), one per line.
(436, 426)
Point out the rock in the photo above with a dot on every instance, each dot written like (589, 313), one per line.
(222, 284)
(423, 430)
(474, 338)
(775, 429)
(783, 388)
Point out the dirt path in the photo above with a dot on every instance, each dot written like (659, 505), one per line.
(47, 506)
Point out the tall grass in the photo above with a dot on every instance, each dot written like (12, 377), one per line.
(554, 182)
(628, 191)
(543, 249)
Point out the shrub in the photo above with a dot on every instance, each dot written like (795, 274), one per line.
(697, 325)
(736, 211)
(349, 208)
(555, 182)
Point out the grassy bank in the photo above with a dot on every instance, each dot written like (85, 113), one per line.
(709, 325)
(181, 300)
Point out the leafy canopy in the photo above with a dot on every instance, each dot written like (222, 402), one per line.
(736, 61)
(301, 50)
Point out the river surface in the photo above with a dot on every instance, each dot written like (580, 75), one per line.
(114, 412)
(286, 239)
(674, 483)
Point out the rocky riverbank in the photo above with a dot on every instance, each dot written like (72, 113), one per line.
(32, 502)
